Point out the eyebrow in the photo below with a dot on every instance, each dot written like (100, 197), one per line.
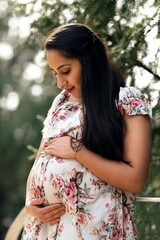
(61, 66)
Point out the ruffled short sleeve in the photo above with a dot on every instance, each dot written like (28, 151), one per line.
(133, 102)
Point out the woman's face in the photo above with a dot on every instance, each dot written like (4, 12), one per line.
(67, 71)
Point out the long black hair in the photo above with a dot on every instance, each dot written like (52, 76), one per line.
(103, 126)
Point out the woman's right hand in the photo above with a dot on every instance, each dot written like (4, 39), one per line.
(49, 214)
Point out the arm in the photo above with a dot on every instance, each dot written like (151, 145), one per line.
(130, 176)
(137, 148)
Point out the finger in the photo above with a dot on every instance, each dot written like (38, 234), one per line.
(56, 213)
(36, 201)
(46, 144)
(53, 211)
(50, 148)
(57, 206)
(50, 152)
(52, 222)
(51, 141)
(54, 216)
(50, 208)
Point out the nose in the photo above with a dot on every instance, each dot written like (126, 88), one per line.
(61, 83)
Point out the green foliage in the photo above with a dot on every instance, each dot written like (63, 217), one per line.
(118, 23)
(34, 150)
(147, 217)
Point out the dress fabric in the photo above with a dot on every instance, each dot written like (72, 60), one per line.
(95, 210)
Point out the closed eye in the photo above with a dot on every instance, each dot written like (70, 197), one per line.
(66, 72)
(55, 74)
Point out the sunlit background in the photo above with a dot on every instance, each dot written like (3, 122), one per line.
(19, 27)
(27, 88)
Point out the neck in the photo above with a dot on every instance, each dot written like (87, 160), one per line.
(74, 99)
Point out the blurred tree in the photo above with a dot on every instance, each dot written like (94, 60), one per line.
(25, 86)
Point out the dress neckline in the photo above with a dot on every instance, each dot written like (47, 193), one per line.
(65, 98)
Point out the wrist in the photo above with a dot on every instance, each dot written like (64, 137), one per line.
(78, 153)
(76, 145)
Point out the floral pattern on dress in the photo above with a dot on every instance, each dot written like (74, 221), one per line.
(133, 102)
(95, 210)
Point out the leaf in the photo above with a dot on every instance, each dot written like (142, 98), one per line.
(79, 178)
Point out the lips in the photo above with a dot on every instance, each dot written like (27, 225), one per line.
(69, 90)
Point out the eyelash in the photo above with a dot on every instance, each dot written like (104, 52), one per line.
(66, 72)
(55, 74)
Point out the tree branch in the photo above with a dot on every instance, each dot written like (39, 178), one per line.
(140, 64)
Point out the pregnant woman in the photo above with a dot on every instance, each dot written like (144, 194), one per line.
(95, 150)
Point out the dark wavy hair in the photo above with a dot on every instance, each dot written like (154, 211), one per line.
(103, 127)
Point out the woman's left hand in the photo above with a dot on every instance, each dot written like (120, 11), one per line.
(60, 147)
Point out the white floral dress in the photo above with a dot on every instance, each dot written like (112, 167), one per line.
(95, 210)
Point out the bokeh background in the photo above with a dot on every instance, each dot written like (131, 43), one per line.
(132, 31)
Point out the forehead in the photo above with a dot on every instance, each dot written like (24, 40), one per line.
(55, 58)
(55, 55)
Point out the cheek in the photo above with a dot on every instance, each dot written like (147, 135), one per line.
(75, 79)
(76, 75)
(78, 80)
(79, 77)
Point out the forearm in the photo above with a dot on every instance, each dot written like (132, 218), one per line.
(137, 150)
(118, 174)
(130, 176)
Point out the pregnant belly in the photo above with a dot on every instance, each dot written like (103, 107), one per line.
(67, 181)
(56, 179)
(61, 182)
